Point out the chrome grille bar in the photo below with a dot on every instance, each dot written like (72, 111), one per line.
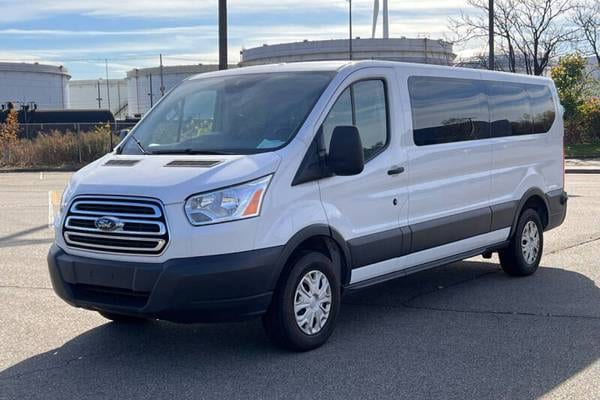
(108, 209)
(161, 229)
(159, 243)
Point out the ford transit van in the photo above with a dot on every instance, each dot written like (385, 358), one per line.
(269, 191)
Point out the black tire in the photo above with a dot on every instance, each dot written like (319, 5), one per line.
(120, 318)
(280, 321)
(512, 258)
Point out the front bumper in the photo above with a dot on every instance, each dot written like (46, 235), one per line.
(225, 287)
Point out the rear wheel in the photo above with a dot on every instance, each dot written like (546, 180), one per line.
(126, 319)
(522, 256)
(305, 306)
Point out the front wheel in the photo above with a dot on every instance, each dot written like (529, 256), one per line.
(523, 254)
(305, 306)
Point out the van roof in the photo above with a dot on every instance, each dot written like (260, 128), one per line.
(339, 65)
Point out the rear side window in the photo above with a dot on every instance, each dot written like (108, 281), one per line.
(542, 108)
(364, 105)
(446, 110)
(510, 111)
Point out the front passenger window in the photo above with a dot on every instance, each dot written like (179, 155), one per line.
(363, 105)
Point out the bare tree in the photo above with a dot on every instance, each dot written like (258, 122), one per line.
(587, 18)
(530, 33)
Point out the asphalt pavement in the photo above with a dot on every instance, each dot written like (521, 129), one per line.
(462, 331)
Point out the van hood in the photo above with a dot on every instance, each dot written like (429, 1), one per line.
(169, 178)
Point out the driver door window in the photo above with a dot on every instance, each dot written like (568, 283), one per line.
(363, 105)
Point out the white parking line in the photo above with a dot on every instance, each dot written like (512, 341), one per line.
(53, 203)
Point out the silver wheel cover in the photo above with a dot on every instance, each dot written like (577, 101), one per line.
(312, 302)
(530, 242)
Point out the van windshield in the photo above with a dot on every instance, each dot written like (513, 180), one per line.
(239, 114)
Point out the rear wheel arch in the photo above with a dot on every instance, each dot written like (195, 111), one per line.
(535, 199)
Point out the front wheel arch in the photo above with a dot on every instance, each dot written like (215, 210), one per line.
(321, 238)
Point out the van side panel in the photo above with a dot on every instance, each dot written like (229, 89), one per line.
(522, 162)
(466, 186)
(446, 179)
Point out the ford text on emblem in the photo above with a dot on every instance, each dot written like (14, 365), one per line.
(108, 224)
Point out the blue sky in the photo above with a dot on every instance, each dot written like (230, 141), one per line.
(132, 33)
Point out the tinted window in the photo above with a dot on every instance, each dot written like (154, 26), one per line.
(447, 110)
(509, 109)
(363, 105)
(542, 108)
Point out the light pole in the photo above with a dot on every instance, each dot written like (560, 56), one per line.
(491, 61)
(350, 29)
(222, 34)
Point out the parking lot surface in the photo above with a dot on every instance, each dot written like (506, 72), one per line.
(465, 330)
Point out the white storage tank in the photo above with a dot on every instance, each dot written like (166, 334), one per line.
(83, 94)
(144, 85)
(418, 50)
(43, 85)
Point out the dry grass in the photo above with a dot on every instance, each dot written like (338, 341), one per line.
(57, 149)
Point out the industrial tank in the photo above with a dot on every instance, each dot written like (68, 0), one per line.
(417, 50)
(144, 85)
(44, 86)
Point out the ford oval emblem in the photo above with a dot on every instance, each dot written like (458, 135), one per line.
(108, 224)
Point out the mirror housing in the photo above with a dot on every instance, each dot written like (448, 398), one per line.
(346, 157)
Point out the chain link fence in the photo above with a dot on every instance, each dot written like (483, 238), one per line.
(54, 145)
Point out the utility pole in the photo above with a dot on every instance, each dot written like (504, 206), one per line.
(107, 84)
(223, 34)
(492, 61)
(99, 98)
(162, 78)
(386, 21)
(350, 29)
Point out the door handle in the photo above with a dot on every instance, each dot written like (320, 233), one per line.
(395, 171)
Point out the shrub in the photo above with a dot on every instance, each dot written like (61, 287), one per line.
(56, 149)
(589, 115)
(10, 128)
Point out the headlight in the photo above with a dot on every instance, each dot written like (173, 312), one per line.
(229, 204)
(65, 198)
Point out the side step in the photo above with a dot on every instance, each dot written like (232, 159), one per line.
(433, 264)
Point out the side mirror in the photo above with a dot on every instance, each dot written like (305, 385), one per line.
(123, 133)
(346, 155)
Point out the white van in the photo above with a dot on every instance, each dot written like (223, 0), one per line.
(269, 191)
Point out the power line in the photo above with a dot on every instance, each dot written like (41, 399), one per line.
(98, 60)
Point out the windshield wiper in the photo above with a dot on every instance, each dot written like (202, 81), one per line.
(139, 145)
(191, 151)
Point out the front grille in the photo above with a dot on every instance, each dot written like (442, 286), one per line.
(138, 225)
